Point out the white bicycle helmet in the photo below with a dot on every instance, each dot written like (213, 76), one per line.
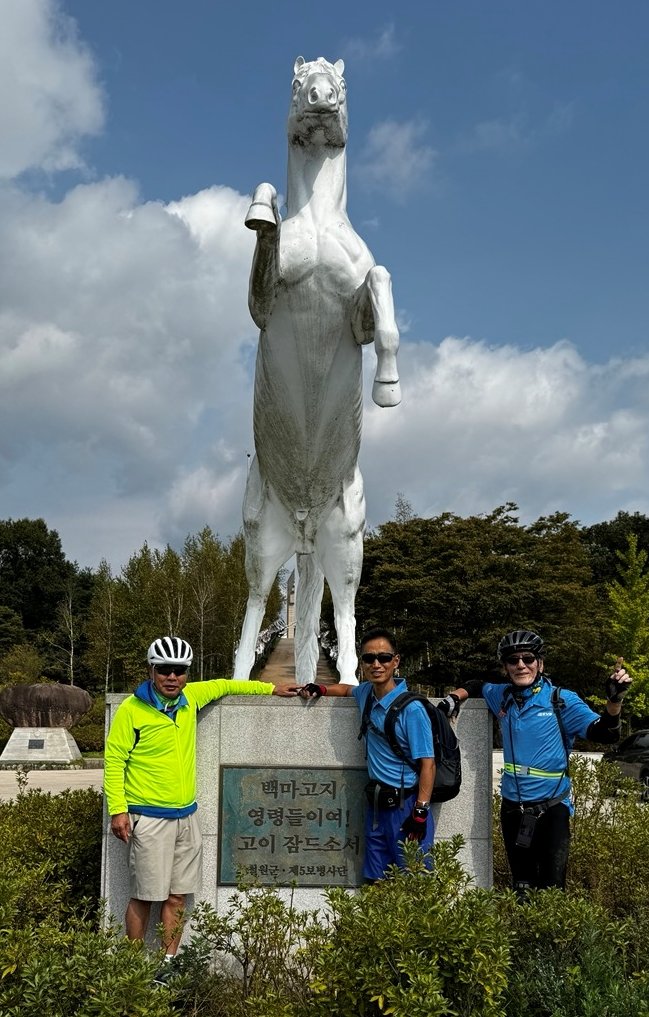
(170, 650)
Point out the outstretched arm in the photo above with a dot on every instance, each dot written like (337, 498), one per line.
(314, 691)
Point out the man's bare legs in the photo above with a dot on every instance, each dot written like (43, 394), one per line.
(171, 917)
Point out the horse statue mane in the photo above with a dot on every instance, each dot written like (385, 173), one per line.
(317, 297)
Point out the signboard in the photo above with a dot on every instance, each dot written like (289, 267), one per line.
(283, 826)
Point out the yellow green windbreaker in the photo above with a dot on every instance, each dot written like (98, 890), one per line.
(150, 756)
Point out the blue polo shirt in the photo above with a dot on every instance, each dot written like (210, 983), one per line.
(533, 752)
(413, 732)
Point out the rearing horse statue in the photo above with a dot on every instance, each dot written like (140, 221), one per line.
(317, 297)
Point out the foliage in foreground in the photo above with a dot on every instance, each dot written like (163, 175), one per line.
(77, 972)
(421, 944)
(51, 855)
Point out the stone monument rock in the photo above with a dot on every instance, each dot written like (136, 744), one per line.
(40, 716)
(317, 297)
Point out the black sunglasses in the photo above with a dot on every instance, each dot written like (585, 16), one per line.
(527, 658)
(383, 658)
(166, 669)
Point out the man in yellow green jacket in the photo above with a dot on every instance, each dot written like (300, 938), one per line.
(150, 783)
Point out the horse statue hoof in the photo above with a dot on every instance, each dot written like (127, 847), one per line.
(386, 393)
(262, 214)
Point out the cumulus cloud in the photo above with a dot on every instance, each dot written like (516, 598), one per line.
(124, 340)
(396, 159)
(49, 94)
(480, 425)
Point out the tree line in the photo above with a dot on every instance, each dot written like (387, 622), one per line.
(91, 627)
(448, 586)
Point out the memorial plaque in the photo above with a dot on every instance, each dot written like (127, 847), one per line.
(36, 743)
(283, 826)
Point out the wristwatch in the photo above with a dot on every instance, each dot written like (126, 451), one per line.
(423, 805)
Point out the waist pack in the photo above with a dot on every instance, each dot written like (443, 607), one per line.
(381, 796)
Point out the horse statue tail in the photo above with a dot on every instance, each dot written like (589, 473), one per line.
(308, 599)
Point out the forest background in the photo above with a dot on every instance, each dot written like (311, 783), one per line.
(448, 586)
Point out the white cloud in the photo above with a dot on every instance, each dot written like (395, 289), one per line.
(396, 158)
(382, 45)
(123, 344)
(519, 130)
(49, 95)
(481, 425)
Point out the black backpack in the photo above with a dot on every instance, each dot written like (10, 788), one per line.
(448, 771)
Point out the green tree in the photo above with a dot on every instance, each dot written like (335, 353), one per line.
(22, 665)
(450, 587)
(34, 571)
(628, 598)
(604, 540)
(101, 627)
(204, 560)
(11, 629)
(199, 594)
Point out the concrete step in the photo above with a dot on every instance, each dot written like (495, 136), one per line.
(280, 666)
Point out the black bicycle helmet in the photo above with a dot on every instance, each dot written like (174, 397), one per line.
(518, 642)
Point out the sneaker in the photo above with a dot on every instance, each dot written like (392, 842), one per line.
(166, 974)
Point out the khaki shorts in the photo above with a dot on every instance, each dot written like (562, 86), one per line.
(165, 856)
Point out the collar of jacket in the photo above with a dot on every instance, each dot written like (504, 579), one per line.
(147, 694)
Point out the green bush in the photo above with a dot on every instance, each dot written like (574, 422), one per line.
(48, 972)
(418, 944)
(256, 959)
(610, 823)
(52, 851)
(88, 733)
(570, 959)
(609, 854)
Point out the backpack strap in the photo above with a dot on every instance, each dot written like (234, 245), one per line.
(558, 705)
(394, 709)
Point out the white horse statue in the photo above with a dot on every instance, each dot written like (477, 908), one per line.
(317, 297)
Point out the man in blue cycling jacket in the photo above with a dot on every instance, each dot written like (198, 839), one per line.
(538, 731)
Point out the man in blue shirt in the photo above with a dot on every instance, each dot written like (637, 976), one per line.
(537, 735)
(398, 793)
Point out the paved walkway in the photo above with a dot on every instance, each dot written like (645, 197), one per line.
(280, 666)
(50, 780)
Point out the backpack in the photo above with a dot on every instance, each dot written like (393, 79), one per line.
(448, 771)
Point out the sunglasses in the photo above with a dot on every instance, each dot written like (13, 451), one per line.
(166, 669)
(383, 658)
(527, 658)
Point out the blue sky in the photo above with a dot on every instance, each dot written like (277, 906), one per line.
(497, 165)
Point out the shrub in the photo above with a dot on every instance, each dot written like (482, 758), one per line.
(570, 959)
(52, 844)
(255, 959)
(609, 855)
(417, 944)
(88, 732)
(47, 972)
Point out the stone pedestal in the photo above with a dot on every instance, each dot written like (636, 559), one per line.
(40, 746)
(307, 744)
